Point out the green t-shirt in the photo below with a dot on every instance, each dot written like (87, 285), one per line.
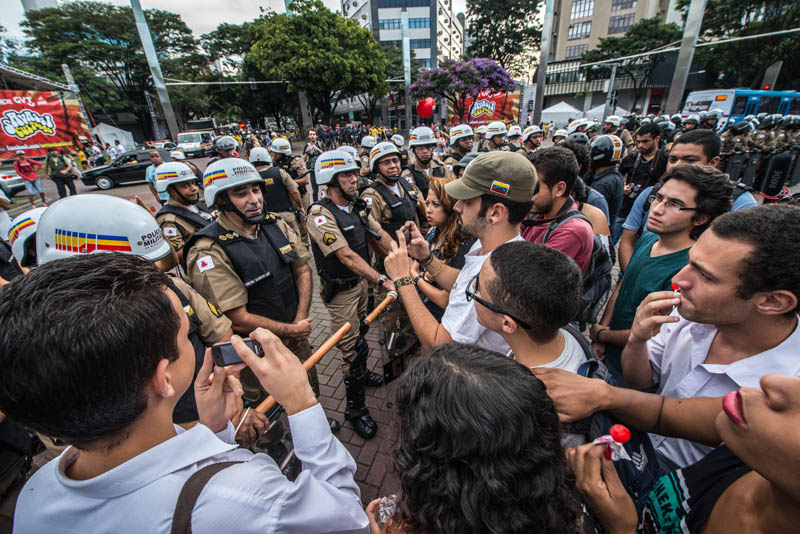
(643, 276)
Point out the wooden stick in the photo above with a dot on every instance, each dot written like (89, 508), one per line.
(267, 404)
(380, 307)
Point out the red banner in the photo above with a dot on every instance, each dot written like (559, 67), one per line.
(34, 121)
(487, 107)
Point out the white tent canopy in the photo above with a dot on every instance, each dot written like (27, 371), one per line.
(597, 113)
(109, 134)
(561, 113)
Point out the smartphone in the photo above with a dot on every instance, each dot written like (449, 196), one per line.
(407, 235)
(224, 353)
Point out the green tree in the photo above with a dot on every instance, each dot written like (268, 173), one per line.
(645, 35)
(8, 45)
(102, 38)
(505, 30)
(319, 52)
(742, 63)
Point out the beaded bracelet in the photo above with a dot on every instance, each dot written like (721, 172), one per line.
(404, 281)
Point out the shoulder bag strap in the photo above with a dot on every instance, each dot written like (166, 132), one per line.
(182, 518)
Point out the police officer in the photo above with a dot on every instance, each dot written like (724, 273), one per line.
(225, 147)
(392, 202)
(252, 264)
(398, 141)
(531, 140)
(421, 142)
(461, 143)
(19, 252)
(87, 224)
(559, 136)
(496, 137)
(592, 129)
(578, 125)
(513, 136)
(480, 141)
(367, 142)
(183, 213)
(339, 226)
(710, 119)
(282, 194)
(733, 140)
(281, 151)
(613, 126)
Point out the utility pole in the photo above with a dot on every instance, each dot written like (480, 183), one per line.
(610, 93)
(406, 64)
(694, 20)
(155, 68)
(541, 73)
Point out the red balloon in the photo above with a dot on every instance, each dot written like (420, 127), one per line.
(425, 107)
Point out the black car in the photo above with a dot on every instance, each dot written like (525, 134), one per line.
(129, 167)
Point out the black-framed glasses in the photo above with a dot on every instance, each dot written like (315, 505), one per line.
(472, 289)
(669, 204)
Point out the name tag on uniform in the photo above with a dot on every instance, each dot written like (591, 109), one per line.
(269, 181)
(286, 249)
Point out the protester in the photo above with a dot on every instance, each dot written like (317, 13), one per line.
(26, 169)
(127, 459)
(510, 476)
(491, 209)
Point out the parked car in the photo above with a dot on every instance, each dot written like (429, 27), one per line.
(11, 183)
(129, 167)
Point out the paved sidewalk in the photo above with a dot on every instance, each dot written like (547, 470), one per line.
(374, 457)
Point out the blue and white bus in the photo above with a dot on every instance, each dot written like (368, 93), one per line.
(735, 104)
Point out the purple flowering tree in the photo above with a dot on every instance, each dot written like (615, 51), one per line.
(459, 80)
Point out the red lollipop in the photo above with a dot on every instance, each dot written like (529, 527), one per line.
(620, 433)
(425, 107)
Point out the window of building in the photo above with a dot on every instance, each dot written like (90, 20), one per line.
(579, 30)
(426, 63)
(404, 3)
(420, 43)
(390, 24)
(576, 51)
(419, 23)
(581, 8)
(619, 5)
(621, 23)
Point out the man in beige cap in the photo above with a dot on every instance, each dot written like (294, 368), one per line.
(493, 196)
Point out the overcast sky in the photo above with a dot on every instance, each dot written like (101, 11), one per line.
(201, 16)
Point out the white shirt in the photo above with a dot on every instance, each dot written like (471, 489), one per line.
(140, 495)
(460, 318)
(677, 355)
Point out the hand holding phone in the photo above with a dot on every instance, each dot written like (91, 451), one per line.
(224, 353)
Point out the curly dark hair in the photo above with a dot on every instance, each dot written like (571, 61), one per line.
(480, 449)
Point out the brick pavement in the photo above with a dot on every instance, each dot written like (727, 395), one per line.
(375, 474)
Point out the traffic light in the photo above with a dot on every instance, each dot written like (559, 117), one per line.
(767, 87)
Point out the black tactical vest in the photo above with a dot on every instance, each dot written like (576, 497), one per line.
(8, 265)
(264, 265)
(198, 220)
(285, 163)
(186, 409)
(354, 227)
(421, 179)
(403, 209)
(276, 197)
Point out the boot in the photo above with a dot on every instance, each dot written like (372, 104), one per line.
(374, 380)
(361, 349)
(356, 411)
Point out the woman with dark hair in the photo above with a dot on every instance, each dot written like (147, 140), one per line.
(446, 241)
(480, 450)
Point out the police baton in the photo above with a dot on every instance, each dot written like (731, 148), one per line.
(380, 307)
(267, 404)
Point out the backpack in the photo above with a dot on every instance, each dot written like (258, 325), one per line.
(639, 475)
(597, 279)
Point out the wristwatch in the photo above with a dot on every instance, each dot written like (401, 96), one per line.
(383, 279)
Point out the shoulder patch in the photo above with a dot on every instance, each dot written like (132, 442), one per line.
(286, 249)
(214, 310)
(368, 201)
(328, 238)
(204, 263)
(170, 231)
(320, 220)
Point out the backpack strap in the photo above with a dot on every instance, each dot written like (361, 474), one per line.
(182, 518)
(561, 219)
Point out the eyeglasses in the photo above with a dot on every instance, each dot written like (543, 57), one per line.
(669, 204)
(390, 161)
(472, 289)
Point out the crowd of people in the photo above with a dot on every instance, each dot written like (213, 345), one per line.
(521, 345)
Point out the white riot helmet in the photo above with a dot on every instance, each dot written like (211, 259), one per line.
(86, 224)
(368, 141)
(495, 128)
(226, 174)
(575, 125)
(529, 131)
(380, 150)
(613, 120)
(693, 117)
(350, 150)
(398, 140)
(260, 154)
(420, 136)
(481, 130)
(226, 142)
(173, 172)
(460, 131)
(560, 133)
(281, 146)
(333, 162)
(22, 229)
(514, 131)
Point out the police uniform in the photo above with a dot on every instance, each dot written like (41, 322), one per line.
(234, 270)
(179, 223)
(277, 196)
(207, 325)
(295, 167)
(421, 177)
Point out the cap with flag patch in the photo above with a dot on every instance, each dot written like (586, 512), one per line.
(501, 174)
